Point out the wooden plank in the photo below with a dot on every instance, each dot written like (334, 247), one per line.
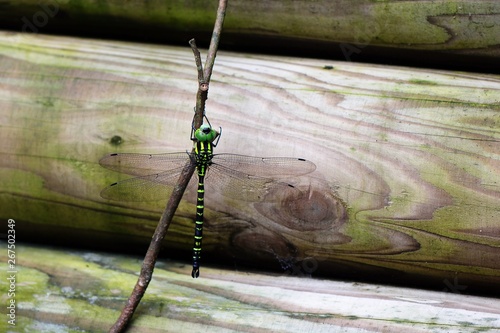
(407, 182)
(80, 291)
(350, 30)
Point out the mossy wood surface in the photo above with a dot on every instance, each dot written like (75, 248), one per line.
(351, 28)
(62, 290)
(407, 179)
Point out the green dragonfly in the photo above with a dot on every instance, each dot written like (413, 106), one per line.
(235, 176)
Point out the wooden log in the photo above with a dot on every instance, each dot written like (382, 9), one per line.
(406, 186)
(76, 291)
(359, 30)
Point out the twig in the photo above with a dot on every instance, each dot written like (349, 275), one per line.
(204, 76)
(214, 43)
(166, 218)
(153, 250)
(202, 94)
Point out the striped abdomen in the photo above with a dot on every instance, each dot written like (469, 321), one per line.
(198, 227)
(204, 157)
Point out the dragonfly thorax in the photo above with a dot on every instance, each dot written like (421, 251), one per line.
(203, 155)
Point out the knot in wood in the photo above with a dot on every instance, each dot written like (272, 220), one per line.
(312, 210)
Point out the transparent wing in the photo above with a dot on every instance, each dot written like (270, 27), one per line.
(146, 188)
(266, 167)
(144, 164)
(236, 176)
(241, 186)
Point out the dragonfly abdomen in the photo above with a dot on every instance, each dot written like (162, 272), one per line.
(198, 229)
(203, 156)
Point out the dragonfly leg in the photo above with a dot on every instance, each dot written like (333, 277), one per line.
(218, 137)
(193, 138)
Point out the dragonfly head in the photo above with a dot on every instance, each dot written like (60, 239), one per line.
(205, 133)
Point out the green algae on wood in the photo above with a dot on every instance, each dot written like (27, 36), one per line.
(407, 173)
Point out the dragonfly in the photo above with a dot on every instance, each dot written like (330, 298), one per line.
(235, 176)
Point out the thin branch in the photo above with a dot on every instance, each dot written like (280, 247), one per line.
(166, 218)
(153, 250)
(197, 60)
(214, 43)
(205, 75)
(202, 93)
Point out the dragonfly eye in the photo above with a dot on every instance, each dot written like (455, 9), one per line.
(205, 133)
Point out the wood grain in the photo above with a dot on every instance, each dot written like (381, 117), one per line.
(407, 181)
(81, 291)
